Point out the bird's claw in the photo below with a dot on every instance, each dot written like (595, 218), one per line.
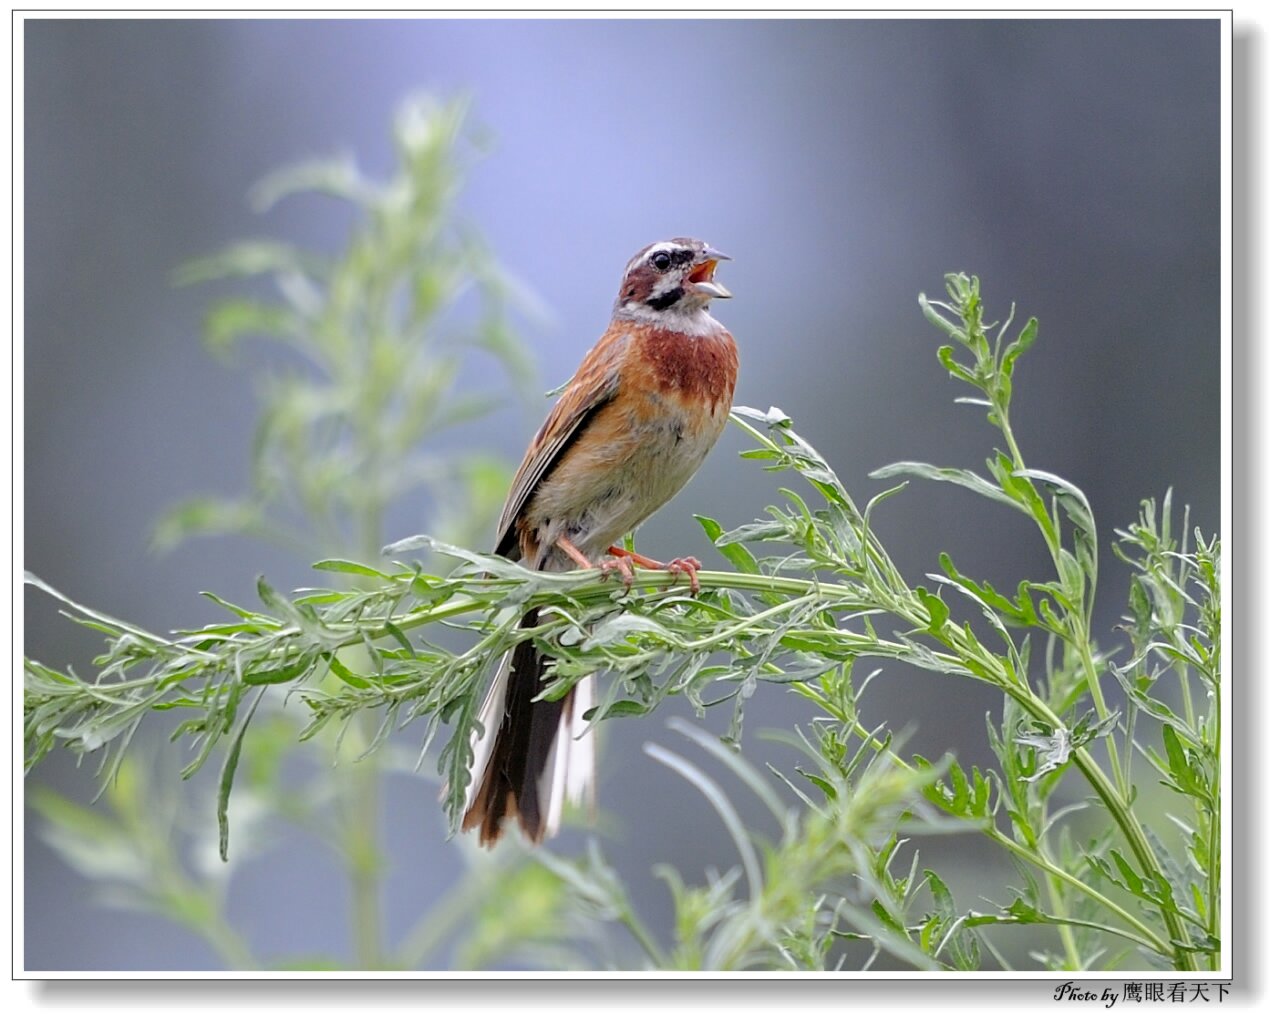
(621, 565)
(689, 566)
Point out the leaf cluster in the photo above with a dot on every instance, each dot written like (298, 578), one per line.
(813, 592)
(371, 342)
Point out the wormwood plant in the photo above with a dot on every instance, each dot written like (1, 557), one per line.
(1126, 875)
(361, 405)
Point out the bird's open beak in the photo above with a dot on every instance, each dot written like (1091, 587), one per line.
(702, 278)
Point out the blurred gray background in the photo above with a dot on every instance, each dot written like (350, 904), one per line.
(1073, 165)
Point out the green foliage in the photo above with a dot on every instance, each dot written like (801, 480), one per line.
(131, 856)
(813, 593)
(360, 389)
(375, 338)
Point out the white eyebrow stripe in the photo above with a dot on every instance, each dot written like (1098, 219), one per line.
(650, 251)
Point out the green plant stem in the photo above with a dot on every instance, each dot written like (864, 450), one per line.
(364, 864)
(1137, 839)
(1214, 875)
(1215, 829)
(659, 581)
(1188, 704)
(1118, 806)
(1115, 803)
(644, 938)
(1147, 935)
(1079, 624)
(1074, 923)
(360, 793)
(970, 658)
(1065, 933)
(444, 918)
(1083, 649)
(364, 787)
(1011, 443)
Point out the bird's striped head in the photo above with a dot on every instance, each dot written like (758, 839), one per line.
(670, 280)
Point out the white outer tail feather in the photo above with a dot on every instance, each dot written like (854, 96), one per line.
(569, 774)
(491, 718)
(570, 771)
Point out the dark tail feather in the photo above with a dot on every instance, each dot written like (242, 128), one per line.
(528, 760)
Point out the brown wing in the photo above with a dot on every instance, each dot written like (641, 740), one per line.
(593, 385)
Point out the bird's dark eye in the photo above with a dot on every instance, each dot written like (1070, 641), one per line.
(661, 261)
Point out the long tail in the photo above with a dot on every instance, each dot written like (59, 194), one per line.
(532, 757)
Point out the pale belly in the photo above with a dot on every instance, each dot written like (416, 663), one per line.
(606, 488)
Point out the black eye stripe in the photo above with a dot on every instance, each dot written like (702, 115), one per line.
(663, 260)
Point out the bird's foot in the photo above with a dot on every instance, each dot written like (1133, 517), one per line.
(687, 565)
(620, 564)
(617, 561)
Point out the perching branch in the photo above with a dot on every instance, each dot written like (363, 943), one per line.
(406, 646)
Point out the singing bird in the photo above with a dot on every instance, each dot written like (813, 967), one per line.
(638, 417)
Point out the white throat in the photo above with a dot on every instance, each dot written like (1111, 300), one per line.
(697, 324)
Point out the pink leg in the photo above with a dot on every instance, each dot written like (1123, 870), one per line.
(619, 564)
(687, 565)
